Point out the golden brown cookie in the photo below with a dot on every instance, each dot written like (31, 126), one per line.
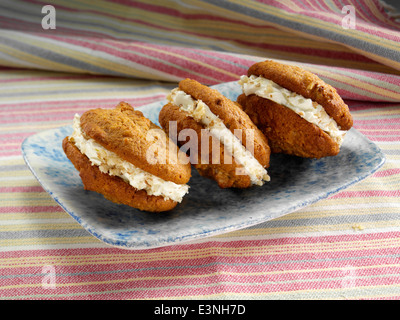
(125, 131)
(298, 112)
(119, 153)
(211, 119)
(277, 122)
(113, 188)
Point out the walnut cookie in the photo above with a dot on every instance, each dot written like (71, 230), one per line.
(298, 112)
(110, 149)
(228, 147)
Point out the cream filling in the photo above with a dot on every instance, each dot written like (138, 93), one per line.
(110, 163)
(306, 108)
(199, 111)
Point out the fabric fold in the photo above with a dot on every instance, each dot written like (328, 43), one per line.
(210, 41)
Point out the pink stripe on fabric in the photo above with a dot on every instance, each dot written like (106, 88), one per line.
(377, 128)
(15, 136)
(20, 209)
(11, 153)
(382, 132)
(22, 189)
(44, 118)
(376, 121)
(16, 144)
(387, 173)
(367, 193)
(383, 139)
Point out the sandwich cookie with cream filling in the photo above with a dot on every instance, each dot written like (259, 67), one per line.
(224, 143)
(298, 112)
(109, 149)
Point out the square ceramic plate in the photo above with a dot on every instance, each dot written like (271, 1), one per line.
(207, 210)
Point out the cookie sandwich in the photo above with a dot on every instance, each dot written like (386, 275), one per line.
(298, 112)
(225, 145)
(110, 149)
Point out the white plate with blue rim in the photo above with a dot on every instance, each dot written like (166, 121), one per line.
(207, 210)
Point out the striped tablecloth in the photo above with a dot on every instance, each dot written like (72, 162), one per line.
(103, 52)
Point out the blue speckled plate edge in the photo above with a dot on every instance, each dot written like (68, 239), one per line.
(129, 244)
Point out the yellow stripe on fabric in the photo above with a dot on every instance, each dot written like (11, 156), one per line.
(24, 127)
(308, 270)
(352, 201)
(294, 230)
(24, 195)
(47, 241)
(31, 182)
(45, 111)
(345, 207)
(9, 144)
(66, 86)
(129, 88)
(395, 146)
(12, 161)
(14, 173)
(118, 96)
(71, 95)
(39, 226)
(381, 187)
(11, 64)
(44, 63)
(336, 212)
(375, 112)
(73, 81)
(16, 74)
(28, 203)
(32, 216)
